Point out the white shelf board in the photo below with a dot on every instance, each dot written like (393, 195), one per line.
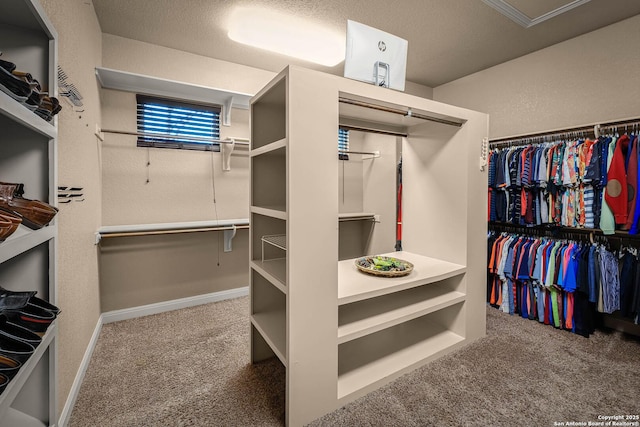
(402, 355)
(22, 115)
(15, 385)
(13, 418)
(24, 239)
(148, 85)
(272, 327)
(277, 240)
(279, 212)
(352, 216)
(269, 148)
(369, 316)
(354, 285)
(274, 270)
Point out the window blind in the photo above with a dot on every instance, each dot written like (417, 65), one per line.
(177, 124)
(343, 143)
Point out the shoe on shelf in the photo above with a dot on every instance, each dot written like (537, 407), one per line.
(20, 333)
(49, 107)
(8, 224)
(15, 349)
(9, 366)
(9, 66)
(34, 318)
(14, 86)
(45, 305)
(13, 300)
(34, 213)
(4, 382)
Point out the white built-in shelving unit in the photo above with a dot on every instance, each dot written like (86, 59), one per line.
(28, 155)
(338, 332)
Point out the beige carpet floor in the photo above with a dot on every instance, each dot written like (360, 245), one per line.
(191, 368)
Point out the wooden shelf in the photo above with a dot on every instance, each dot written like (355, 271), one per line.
(279, 212)
(392, 353)
(24, 239)
(15, 385)
(274, 270)
(365, 317)
(272, 327)
(269, 148)
(356, 286)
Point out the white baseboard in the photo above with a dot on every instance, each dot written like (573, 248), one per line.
(65, 415)
(131, 313)
(161, 307)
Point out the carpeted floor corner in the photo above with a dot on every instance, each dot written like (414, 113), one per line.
(191, 368)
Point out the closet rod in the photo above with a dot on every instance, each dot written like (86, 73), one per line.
(547, 136)
(238, 141)
(398, 111)
(561, 231)
(170, 231)
(372, 130)
(371, 153)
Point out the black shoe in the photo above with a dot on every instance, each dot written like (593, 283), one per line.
(14, 300)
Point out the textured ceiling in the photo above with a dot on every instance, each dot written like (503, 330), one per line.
(448, 39)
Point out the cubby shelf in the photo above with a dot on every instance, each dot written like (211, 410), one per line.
(355, 286)
(365, 317)
(269, 148)
(24, 239)
(28, 155)
(278, 212)
(368, 364)
(271, 326)
(274, 270)
(12, 390)
(25, 117)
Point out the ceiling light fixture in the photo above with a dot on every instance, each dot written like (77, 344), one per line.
(287, 35)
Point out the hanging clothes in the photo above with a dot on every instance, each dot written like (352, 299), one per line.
(562, 283)
(581, 183)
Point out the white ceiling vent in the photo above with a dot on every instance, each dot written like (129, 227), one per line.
(544, 10)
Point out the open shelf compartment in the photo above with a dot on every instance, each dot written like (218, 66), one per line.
(24, 374)
(354, 285)
(364, 317)
(269, 115)
(368, 362)
(268, 315)
(268, 179)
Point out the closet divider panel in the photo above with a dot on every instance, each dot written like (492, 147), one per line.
(313, 243)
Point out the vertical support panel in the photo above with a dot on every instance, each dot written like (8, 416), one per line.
(476, 213)
(312, 224)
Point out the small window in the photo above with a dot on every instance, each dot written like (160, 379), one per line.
(167, 123)
(343, 143)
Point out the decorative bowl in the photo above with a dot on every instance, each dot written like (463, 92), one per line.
(383, 266)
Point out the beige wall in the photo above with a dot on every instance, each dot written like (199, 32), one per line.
(137, 271)
(144, 270)
(181, 183)
(79, 51)
(589, 79)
